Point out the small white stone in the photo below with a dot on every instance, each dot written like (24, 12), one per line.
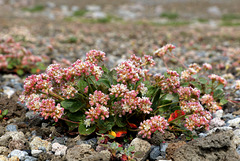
(36, 153)
(8, 91)
(218, 114)
(217, 122)
(59, 149)
(234, 122)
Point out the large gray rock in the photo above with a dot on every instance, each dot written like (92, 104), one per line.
(84, 152)
(141, 146)
(215, 147)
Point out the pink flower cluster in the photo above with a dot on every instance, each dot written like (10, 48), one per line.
(95, 56)
(99, 111)
(118, 90)
(80, 68)
(220, 80)
(208, 100)
(188, 93)
(162, 51)
(57, 83)
(132, 70)
(142, 89)
(128, 72)
(98, 98)
(207, 66)
(192, 69)
(191, 107)
(129, 100)
(148, 127)
(47, 107)
(198, 120)
(170, 83)
(189, 102)
(10, 50)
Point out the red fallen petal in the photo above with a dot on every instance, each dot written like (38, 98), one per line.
(121, 133)
(175, 115)
(170, 118)
(124, 157)
(132, 125)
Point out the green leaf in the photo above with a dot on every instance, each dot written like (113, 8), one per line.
(33, 70)
(72, 105)
(82, 85)
(110, 136)
(86, 131)
(220, 86)
(155, 99)
(195, 76)
(185, 84)
(105, 69)
(106, 82)
(10, 66)
(179, 70)
(5, 112)
(120, 122)
(20, 72)
(131, 148)
(196, 85)
(223, 101)
(77, 116)
(217, 93)
(151, 91)
(203, 80)
(71, 126)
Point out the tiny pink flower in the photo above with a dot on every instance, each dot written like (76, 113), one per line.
(162, 51)
(207, 66)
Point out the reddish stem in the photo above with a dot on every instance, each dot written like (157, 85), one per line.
(69, 121)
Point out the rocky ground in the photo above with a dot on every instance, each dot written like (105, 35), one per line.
(203, 31)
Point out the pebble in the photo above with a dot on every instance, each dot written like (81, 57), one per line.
(36, 153)
(98, 15)
(238, 149)
(218, 114)
(59, 149)
(8, 91)
(18, 153)
(224, 128)
(234, 122)
(30, 158)
(37, 143)
(237, 132)
(60, 140)
(228, 116)
(155, 153)
(93, 8)
(11, 128)
(217, 122)
(163, 147)
(92, 142)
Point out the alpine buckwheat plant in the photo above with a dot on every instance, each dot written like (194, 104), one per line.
(14, 58)
(123, 101)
